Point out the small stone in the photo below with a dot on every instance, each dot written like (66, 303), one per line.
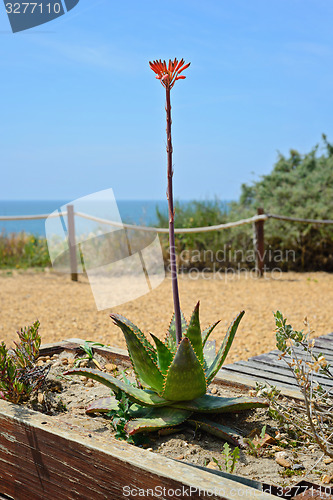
(40, 362)
(42, 358)
(283, 462)
(55, 356)
(180, 457)
(40, 398)
(57, 363)
(298, 467)
(90, 384)
(281, 454)
(266, 440)
(65, 361)
(84, 363)
(47, 358)
(149, 449)
(84, 379)
(214, 390)
(326, 479)
(212, 465)
(110, 367)
(328, 460)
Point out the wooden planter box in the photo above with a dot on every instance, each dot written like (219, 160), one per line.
(39, 461)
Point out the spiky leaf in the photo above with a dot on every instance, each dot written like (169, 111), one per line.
(139, 396)
(120, 321)
(209, 353)
(144, 365)
(185, 379)
(164, 355)
(104, 405)
(157, 418)
(224, 349)
(205, 334)
(217, 404)
(218, 430)
(170, 339)
(193, 333)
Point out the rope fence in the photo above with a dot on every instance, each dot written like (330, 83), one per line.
(257, 221)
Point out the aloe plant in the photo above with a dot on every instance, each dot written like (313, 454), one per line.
(173, 375)
(173, 378)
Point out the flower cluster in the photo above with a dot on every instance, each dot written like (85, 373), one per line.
(168, 73)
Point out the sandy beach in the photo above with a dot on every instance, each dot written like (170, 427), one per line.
(67, 309)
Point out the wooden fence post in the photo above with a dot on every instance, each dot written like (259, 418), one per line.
(72, 242)
(260, 243)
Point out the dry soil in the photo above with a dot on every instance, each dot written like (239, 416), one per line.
(67, 309)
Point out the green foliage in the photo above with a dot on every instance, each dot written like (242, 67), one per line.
(298, 186)
(173, 377)
(87, 347)
(255, 445)
(22, 251)
(191, 247)
(19, 376)
(229, 457)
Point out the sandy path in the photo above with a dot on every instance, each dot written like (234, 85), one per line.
(67, 309)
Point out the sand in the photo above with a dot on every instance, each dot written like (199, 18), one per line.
(67, 309)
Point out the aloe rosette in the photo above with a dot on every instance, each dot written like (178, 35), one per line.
(173, 378)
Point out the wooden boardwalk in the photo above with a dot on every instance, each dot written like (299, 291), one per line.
(270, 369)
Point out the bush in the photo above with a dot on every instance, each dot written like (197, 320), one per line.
(298, 186)
(23, 250)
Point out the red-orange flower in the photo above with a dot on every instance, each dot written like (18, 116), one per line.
(169, 73)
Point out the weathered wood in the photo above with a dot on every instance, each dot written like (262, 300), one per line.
(39, 461)
(282, 368)
(72, 242)
(260, 243)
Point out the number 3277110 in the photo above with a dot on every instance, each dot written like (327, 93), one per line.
(31, 8)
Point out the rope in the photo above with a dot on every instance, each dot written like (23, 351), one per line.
(32, 217)
(296, 219)
(217, 227)
(178, 230)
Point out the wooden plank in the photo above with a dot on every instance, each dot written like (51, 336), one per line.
(270, 365)
(226, 378)
(40, 460)
(262, 374)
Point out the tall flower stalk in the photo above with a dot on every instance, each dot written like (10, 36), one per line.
(168, 74)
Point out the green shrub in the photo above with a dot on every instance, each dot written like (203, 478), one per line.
(298, 186)
(23, 250)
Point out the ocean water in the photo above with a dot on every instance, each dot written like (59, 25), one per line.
(131, 211)
(141, 212)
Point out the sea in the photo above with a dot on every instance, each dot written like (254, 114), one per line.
(141, 212)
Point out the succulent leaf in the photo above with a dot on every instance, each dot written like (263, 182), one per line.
(170, 339)
(193, 333)
(185, 379)
(143, 363)
(139, 396)
(225, 347)
(157, 418)
(164, 355)
(205, 334)
(218, 430)
(217, 404)
(104, 405)
(209, 353)
(121, 321)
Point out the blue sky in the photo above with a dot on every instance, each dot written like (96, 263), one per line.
(81, 111)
